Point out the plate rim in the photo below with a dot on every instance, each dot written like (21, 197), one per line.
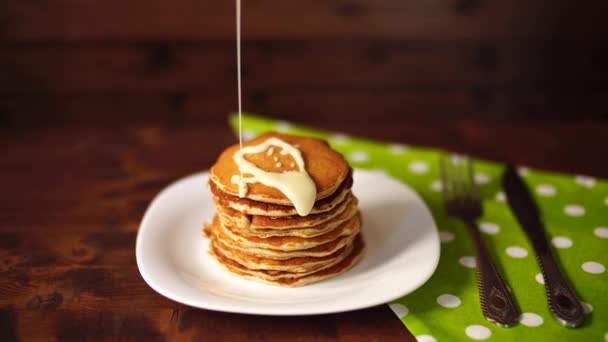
(271, 310)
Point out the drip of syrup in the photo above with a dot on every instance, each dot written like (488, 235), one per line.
(242, 184)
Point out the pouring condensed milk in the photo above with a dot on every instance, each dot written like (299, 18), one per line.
(296, 226)
(297, 186)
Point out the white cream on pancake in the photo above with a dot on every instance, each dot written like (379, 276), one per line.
(297, 186)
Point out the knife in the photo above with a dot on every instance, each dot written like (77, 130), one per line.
(564, 305)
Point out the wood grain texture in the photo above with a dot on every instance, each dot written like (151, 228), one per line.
(65, 20)
(304, 78)
(385, 105)
(182, 323)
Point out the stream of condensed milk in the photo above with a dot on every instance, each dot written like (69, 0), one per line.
(297, 186)
(238, 76)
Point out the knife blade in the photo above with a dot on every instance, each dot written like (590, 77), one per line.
(562, 300)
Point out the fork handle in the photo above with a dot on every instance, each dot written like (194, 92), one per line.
(497, 303)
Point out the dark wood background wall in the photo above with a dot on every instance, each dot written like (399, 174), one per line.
(111, 61)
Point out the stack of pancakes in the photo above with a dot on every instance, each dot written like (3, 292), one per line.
(262, 237)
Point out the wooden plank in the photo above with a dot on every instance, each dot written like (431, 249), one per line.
(113, 20)
(93, 245)
(73, 286)
(177, 322)
(210, 66)
(314, 105)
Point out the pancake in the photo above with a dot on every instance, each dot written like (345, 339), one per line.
(323, 273)
(318, 251)
(260, 223)
(290, 243)
(297, 264)
(251, 207)
(306, 232)
(273, 274)
(326, 167)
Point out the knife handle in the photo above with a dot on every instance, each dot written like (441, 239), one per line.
(563, 302)
(497, 303)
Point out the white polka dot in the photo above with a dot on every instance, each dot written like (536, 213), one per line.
(457, 159)
(397, 148)
(478, 332)
(561, 242)
(606, 200)
(419, 167)
(574, 210)
(436, 186)
(283, 126)
(500, 197)
(546, 190)
(587, 308)
(399, 309)
(606, 337)
(489, 228)
(593, 267)
(448, 300)
(482, 178)
(339, 139)
(425, 338)
(517, 252)
(530, 319)
(446, 236)
(601, 232)
(539, 278)
(248, 134)
(523, 171)
(585, 181)
(468, 261)
(359, 156)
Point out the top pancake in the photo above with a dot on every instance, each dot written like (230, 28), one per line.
(326, 167)
(251, 207)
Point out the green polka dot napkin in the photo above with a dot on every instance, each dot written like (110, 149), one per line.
(446, 308)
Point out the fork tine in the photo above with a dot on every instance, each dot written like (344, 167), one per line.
(471, 177)
(461, 177)
(445, 184)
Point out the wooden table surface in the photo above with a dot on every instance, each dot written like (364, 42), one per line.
(74, 197)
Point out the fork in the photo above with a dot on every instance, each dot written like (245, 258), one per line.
(461, 201)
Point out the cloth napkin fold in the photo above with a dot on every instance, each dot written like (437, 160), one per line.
(446, 308)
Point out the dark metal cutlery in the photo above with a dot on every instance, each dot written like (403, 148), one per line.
(461, 201)
(564, 305)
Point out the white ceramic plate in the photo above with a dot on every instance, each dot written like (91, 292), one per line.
(402, 252)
